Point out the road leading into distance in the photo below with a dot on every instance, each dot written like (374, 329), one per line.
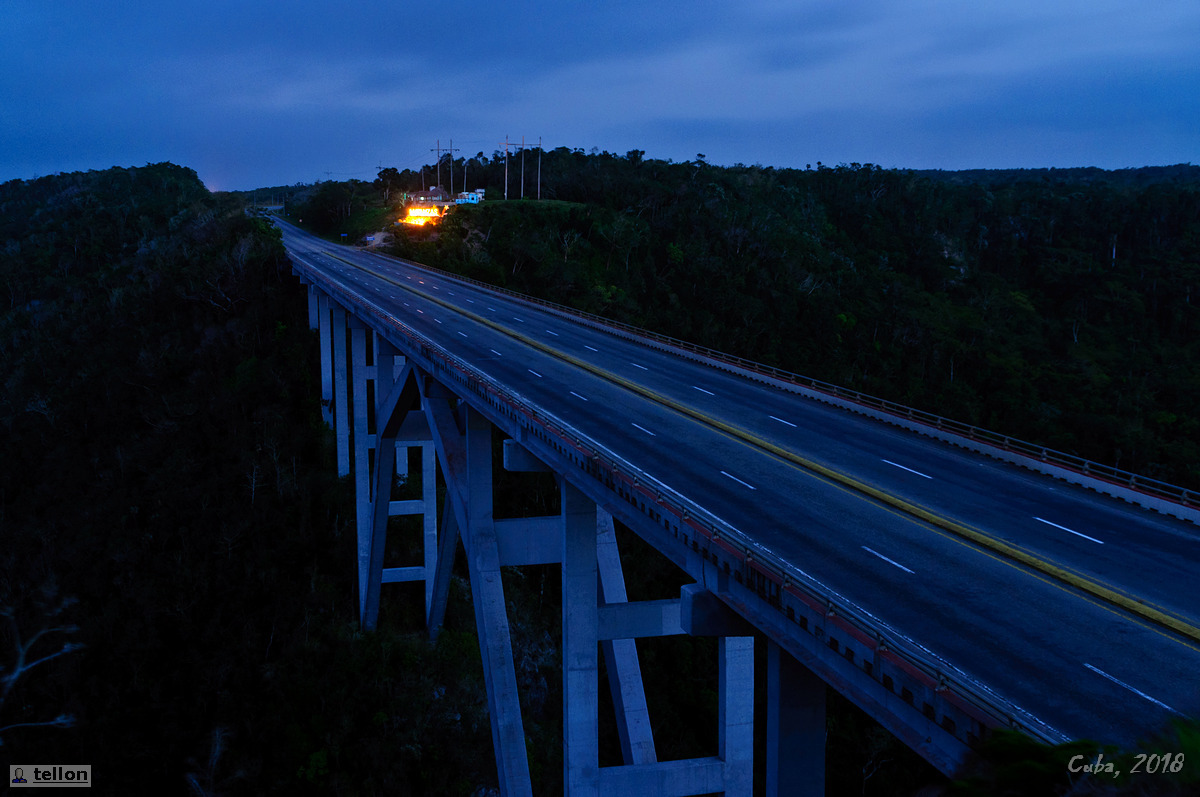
(736, 447)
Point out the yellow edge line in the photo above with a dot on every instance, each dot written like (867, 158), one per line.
(1125, 602)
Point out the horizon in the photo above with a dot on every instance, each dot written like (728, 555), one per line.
(284, 93)
(813, 167)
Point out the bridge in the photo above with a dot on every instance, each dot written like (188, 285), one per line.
(947, 580)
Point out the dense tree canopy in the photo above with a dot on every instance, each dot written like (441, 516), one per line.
(1057, 306)
(170, 523)
(171, 527)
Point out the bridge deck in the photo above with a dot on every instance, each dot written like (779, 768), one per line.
(1076, 662)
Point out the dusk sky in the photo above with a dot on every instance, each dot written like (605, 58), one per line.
(253, 94)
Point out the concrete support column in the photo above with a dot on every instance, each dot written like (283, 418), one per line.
(402, 459)
(386, 371)
(429, 519)
(385, 382)
(736, 695)
(362, 446)
(450, 445)
(795, 727)
(401, 399)
(313, 307)
(388, 365)
(621, 656)
(324, 310)
(491, 619)
(439, 590)
(580, 660)
(341, 390)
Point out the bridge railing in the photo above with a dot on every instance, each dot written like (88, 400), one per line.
(756, 565)
(1085, 467)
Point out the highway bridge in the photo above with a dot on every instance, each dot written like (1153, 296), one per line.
(947, 580)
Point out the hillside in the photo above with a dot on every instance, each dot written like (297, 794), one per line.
(1056, 306)
(177, 553)
(176, 574)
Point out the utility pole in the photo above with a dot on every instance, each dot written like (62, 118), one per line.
(522, 167)
(438, 150)
(539, 167)
(452, 150)
(506, 144)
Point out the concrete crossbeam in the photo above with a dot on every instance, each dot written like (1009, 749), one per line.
(703, 614)
(666, 779)
(518, 459)
(411, 506)
(396, 575)
(530, 541)
(640, 619)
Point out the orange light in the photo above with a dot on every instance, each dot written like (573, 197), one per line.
(418, 216)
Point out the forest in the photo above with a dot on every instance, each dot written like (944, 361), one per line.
(176, 570)
(176, 577)
(1057, 306)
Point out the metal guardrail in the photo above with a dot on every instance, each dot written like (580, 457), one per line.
(1085, 467)
(595, 459)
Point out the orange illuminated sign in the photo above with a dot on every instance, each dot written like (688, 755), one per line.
(423, 215)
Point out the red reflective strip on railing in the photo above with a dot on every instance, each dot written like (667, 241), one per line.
(921, 676)
(814, 605)
(853, 631)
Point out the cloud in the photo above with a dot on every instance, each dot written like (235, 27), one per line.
(934, 81)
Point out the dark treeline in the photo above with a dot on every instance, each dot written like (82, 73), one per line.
(1057, 306)
(176, 551)
(171, 536)
(174, 547)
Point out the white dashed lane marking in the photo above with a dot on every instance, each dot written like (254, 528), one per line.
(884, 558)
(739, 481)
(901, 467)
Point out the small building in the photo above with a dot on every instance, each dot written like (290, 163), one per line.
(433, 196)
(426, 207)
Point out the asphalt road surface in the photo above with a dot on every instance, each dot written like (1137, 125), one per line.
(1079, 664)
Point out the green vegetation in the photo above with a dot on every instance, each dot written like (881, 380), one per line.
(1013, 765)
(1057, 306)
(168, 513)
(172, 530)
